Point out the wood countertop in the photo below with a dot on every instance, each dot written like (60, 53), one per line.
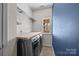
(27, 36)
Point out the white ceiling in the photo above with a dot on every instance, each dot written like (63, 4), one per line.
(36, 6)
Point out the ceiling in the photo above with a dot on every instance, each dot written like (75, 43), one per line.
(37, 6)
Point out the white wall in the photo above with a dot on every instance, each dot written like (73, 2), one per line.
(11, 18)
(26, 23)
(39, 15)
(25, 8)
(9, 30)
(47, 40)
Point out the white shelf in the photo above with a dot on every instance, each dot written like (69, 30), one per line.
(24, 13)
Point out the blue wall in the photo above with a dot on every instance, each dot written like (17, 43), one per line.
(66, 29)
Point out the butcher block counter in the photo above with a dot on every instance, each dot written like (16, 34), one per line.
(27, 35)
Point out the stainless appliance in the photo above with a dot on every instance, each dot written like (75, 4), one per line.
(21, 47)
(36, 45)
(29, 47)
(40, 42)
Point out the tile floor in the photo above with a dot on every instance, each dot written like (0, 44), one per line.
(47, 51)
